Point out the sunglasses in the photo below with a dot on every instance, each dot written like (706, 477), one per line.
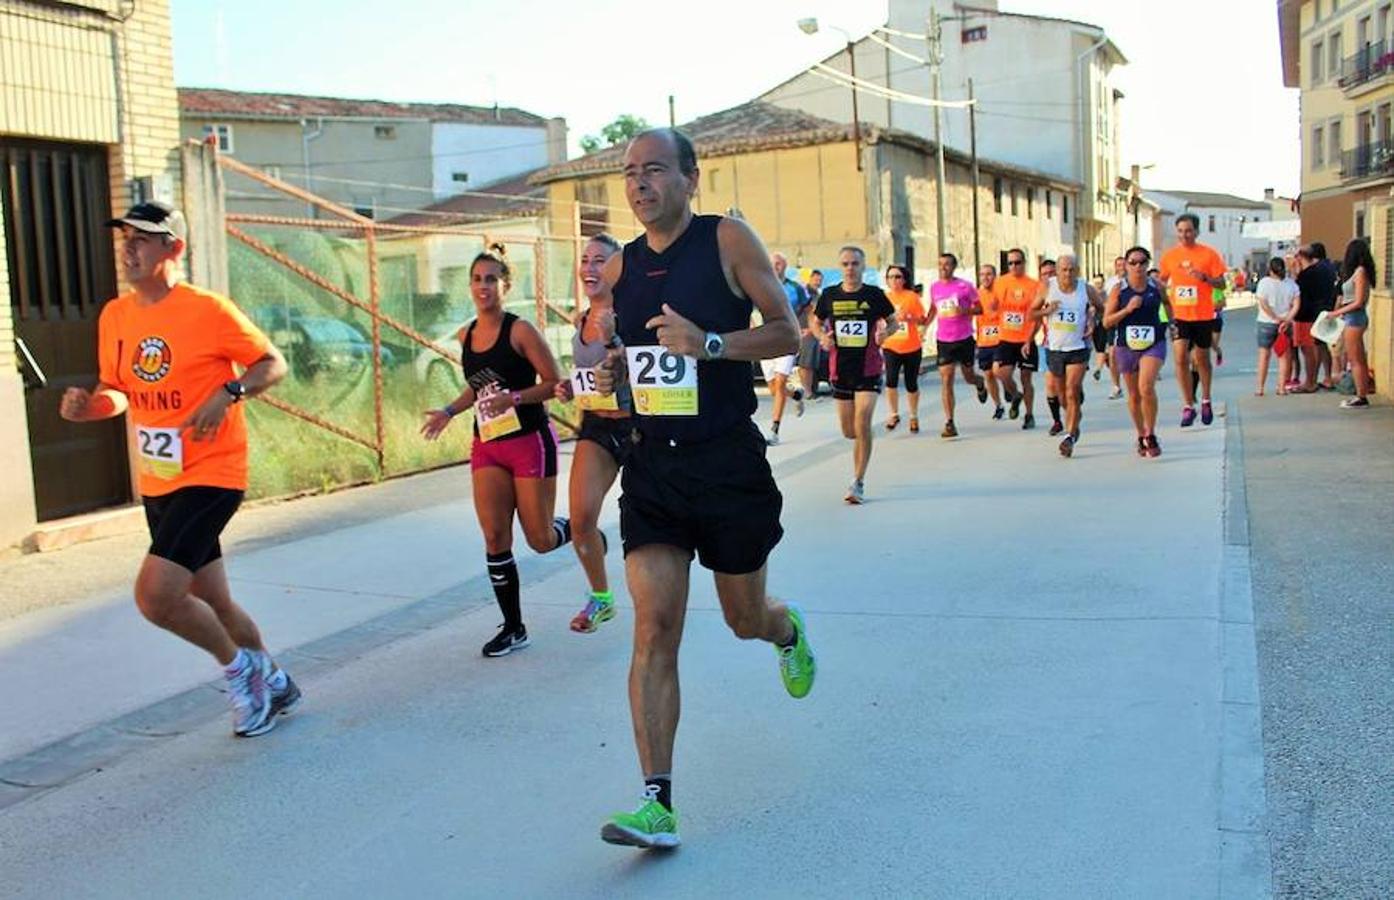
(1137, 262)
(1016, 262)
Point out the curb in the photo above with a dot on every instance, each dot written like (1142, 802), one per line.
(93, 749)
(1246, 859)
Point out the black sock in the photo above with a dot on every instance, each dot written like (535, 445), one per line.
(1054, 404)
(774, 426)
(503, 574)
(664, 783)
(562, 529)
(1195, 381)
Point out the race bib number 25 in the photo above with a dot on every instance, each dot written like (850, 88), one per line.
(161, 451)
(664, 383)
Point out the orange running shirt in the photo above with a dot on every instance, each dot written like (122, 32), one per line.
(908, 336)
(1191, 299)
(988, 325)
(1014, 295)
(168, 358)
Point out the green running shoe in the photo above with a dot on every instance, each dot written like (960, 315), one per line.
(797, 665)
(651, 826)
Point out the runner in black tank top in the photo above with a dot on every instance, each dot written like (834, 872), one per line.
(510, 374)
(697, 480)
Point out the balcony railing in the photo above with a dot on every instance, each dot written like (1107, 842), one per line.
(1371, 62)
(1368, 161)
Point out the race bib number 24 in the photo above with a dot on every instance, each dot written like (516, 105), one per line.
(664, 383)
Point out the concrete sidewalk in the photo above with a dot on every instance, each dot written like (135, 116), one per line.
(1024, 669)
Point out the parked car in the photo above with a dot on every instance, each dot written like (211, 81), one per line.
(320, 343)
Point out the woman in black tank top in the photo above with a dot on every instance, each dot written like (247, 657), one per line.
(510, 375)
(604, 440)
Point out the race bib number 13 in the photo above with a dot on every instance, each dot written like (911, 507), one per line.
(850, 332)
(587, 397)
(663, 383)
(161, 451)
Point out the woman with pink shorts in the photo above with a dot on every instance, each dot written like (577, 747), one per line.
(510, 374)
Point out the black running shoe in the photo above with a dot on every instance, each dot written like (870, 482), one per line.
(1056, 428)
(1028, 423)
(1016, 406)
(287, 698)
(998, 413)
(982, 391)
(1067, 446)
(506, 641)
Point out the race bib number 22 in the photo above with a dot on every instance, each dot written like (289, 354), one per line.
(161, 451)
(664, 383)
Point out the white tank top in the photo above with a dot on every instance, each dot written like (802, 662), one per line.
(1065, 327)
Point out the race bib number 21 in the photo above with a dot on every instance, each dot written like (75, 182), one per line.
(664, 383)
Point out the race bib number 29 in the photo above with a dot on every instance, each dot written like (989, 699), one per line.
(161, 451)
(664, 383)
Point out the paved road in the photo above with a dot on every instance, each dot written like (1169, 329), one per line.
(1034, 682)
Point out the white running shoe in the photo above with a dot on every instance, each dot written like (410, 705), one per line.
(856, 493)
(250, 696)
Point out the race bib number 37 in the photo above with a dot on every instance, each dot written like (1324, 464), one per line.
(161, 452)
(663, 383)
(587, 397)
(850, 332)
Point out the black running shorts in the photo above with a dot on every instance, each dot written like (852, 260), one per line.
(1199, 335)
(185, 524)
(1009, 354)
(612, 433)
(956, 353)
(715, 498)
(1057, 360)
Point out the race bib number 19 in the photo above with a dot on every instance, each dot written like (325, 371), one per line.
(663, 383)
(161, 451)
(587, 397)
(850, 332)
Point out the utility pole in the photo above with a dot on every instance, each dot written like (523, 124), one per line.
(672, 115)
(936, 59)
(973, 151)
(856, 119)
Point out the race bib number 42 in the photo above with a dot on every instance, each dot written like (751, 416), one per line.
(664, 383)
(161, 451)
(850, 332)
(587, 397)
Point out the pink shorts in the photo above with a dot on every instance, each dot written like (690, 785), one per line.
(531, 455)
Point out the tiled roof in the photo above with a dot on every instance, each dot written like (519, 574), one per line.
(509, 199)
(1201, 198)
(253, 105)
(757, 126)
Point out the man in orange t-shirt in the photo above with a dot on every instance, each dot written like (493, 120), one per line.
(167, 353)
(987, 331)
(1190, 272)
(1012, 296)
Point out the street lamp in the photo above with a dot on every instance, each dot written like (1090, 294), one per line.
(810, 26)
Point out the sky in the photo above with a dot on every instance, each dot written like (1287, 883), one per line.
(585, 61)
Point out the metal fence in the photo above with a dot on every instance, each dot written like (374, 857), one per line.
(367, 313)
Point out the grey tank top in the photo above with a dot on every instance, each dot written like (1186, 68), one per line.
(585, 356)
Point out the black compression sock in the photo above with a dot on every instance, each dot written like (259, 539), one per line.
(1054, 404)
(664, 783)
(774, 426)
(503, 574)
(562, 529)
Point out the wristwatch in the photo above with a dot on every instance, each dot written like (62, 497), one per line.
(236, 389)
(714, 346)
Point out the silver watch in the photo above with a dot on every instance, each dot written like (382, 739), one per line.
(714, 346)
